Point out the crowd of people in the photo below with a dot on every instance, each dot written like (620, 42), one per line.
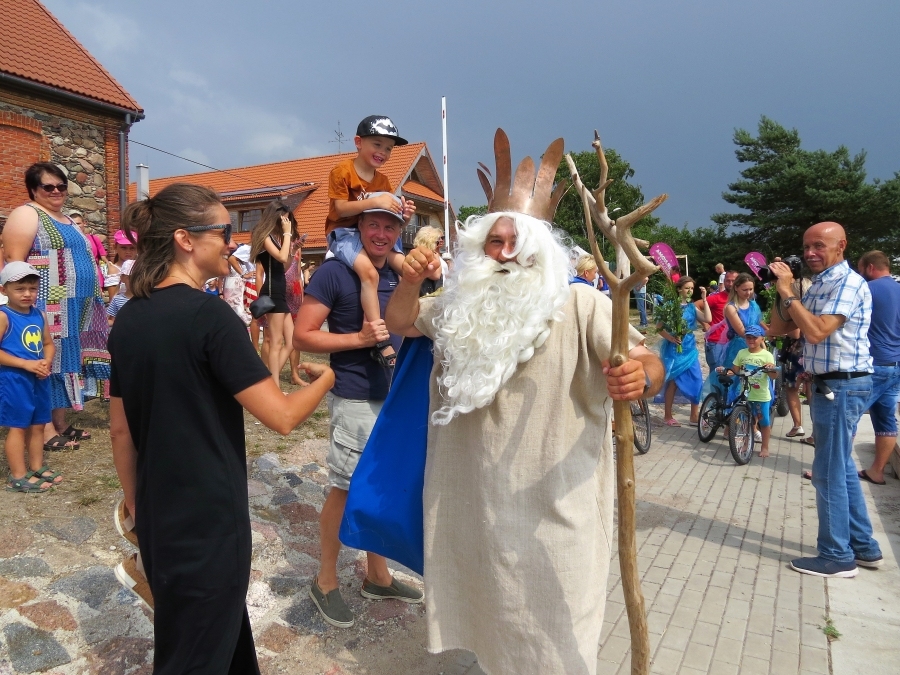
(519, 452)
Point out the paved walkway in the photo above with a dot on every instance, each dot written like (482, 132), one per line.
(714, 543)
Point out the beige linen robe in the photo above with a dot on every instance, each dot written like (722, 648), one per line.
(518, 506)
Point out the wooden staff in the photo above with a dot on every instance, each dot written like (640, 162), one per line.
(627, 254)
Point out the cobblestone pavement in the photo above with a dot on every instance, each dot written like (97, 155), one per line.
(714, 542)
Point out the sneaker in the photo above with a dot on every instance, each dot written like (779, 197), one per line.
(396, 591)
(133, 579)
(331, 606)
(757, 436)
(125, 523)
(871, 563)
(820, 567)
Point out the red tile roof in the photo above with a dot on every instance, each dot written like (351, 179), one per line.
(36, 46)
(414, 189)
(311, 212)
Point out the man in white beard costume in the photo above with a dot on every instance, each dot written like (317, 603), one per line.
(519, 480)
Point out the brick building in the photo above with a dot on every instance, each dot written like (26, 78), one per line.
(58, 104)
(303, 185)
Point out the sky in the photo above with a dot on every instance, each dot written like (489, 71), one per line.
(665, 82)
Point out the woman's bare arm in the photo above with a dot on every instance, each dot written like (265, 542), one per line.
(265, 401)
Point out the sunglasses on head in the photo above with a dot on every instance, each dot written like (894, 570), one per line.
(203, 228)
(49, 188)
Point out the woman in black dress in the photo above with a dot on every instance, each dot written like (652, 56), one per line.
(182, 368)
(270, 247)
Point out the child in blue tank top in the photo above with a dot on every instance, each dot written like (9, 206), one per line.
(26, 354)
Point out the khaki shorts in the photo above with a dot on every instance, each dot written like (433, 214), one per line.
(351, 425)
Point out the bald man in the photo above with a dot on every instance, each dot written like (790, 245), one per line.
(834, 317)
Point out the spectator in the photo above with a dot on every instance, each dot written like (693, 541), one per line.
(586, 271)
(40, 233)
(640, 299)
(128, 248)
(26, 352)
(716, 340)
(433, 239)
(884, 343)
(720, 270)
(182, 374)
(740, 311)
(361, 385)
(834, 317)
(272, 240)
(759, 397)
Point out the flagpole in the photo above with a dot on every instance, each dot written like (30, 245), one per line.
(446, 185)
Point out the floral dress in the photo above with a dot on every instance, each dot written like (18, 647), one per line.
(69, 296)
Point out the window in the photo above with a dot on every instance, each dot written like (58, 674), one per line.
(423, 220)
(249, 219)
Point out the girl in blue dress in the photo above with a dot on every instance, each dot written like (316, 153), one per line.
(683, 368)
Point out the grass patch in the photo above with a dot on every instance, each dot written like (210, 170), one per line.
(108, 481)
(831, 632)
(87, 500)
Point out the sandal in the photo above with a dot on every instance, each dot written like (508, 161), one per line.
(60, 442)
(24, 485)
(809, 440)
(672, 422)
(77, 434)
(796, 431)
(384, 360)
(52, 478)
(807, 475)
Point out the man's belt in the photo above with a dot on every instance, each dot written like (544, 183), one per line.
(842, 376)
(888, 365)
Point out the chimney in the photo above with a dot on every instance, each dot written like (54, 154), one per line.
(143, 181)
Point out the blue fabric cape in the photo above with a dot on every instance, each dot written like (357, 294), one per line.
(384, 505)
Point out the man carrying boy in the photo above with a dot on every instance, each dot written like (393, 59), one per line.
(759, 396)
(26, 353)
(354, 186)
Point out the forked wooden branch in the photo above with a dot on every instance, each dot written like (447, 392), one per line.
(619, 232)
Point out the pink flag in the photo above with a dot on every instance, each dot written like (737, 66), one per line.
(754, 261)
(664, 256)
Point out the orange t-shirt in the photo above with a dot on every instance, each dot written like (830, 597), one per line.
(344, 183)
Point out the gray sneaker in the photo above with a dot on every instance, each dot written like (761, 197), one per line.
(396, 591)
(331, 606)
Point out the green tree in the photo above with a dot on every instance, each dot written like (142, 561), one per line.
(785, 189)
(466, 211)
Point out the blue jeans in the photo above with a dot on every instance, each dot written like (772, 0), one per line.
(640, 300)
(844, 527)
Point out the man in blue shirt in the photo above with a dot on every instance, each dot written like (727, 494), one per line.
(884, 343)
(360, 387)
(834, 317)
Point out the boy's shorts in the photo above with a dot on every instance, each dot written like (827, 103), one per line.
(24, 399)
(345, 243)
(760, 410)
(351, 426)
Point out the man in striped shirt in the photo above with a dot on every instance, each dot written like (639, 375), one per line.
(833, 317)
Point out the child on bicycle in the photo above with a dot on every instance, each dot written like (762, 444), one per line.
(760, 394)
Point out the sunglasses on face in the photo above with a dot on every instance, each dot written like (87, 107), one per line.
(203, 228)
(49, 189)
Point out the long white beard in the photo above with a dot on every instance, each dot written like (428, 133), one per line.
(490, 319)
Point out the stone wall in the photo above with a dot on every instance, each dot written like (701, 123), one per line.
(81, 143)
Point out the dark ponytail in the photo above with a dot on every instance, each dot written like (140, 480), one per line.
(153, 221)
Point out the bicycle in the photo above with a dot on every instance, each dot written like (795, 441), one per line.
(640, 417)
(716, 412)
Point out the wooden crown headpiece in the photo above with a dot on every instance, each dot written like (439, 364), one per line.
(534, 197)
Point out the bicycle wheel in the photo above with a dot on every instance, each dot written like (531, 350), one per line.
(708, 421)
(740, 438)
(640, 417)
(781, 404)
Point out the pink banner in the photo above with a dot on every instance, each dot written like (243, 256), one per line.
(754, 261)
(664, 256)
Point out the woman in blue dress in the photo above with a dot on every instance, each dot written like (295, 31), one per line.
(69, 294)
(683, 368)
(740, 312)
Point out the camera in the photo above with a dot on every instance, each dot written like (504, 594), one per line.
(792, 261)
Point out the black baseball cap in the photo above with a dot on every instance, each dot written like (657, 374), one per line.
(379, 125)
